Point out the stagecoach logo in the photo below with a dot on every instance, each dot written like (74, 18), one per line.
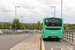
(53, 32)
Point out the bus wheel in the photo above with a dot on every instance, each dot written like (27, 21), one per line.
(58, 39)
(44, 39)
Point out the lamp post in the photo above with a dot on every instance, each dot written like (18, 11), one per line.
(16, 16)
(54, 10)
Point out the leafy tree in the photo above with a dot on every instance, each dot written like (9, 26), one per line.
(65, 27)
(4, 26)
(18, 24)
(7, 25)
(69, 25)
(25, 26)
(38, 25)
(33, 26)
(1, 25)
(28, 26)
(73, 27)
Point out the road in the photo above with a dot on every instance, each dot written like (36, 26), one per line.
(8, 41)
(57, 45)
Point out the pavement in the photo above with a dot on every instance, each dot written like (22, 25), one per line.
(57, 45)
(8, 41)
(32, 43)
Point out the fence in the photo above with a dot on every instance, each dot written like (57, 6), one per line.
(69, 35)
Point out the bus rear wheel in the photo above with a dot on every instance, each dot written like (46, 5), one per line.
(44, 38)
(58, 39)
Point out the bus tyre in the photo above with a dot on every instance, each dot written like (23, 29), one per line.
(58, 39)
(44, 39)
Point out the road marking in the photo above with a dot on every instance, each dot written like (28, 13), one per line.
(51, 48)
(43, 47)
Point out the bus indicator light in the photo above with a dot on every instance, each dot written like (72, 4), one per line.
(46, 20)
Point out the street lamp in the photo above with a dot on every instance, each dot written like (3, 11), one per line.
(54, 10)
(16, 16)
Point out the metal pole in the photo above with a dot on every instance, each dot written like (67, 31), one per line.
(24, 28)
(54, 10)
(16, 16)
(24, 33)
(22, 21)
(35, 35)
(69, 35)
(15, 20)
(72, 36)
(61, 7)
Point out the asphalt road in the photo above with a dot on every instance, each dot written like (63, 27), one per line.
(57, 45)
(8, 41)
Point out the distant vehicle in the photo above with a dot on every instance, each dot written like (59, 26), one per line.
(53, 28)
(15, 31)
(24, 31)
(0, 32)
(11, 31)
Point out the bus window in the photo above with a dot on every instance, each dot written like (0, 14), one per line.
(53, 22)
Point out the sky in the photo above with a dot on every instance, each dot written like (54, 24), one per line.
(33, 11)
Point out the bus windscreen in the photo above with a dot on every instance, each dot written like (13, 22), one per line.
(53, 22)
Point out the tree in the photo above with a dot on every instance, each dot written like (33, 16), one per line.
(33, 26)
(38, 25)
(1, 25)
(65, 27)
(28, 26)
(18, 24)
(69, 28)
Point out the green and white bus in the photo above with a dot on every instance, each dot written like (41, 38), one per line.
(53, 27)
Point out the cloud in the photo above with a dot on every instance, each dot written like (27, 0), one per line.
(36, 10)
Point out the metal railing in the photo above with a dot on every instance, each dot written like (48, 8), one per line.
(69, 35)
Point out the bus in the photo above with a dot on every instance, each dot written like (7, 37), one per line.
(53, 28)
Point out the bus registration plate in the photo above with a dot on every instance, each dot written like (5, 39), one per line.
(53, 37)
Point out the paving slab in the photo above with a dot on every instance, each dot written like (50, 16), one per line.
(28, 44)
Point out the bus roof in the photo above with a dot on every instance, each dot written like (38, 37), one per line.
(52, 17)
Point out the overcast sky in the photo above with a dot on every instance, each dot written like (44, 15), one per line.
(35, 10)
